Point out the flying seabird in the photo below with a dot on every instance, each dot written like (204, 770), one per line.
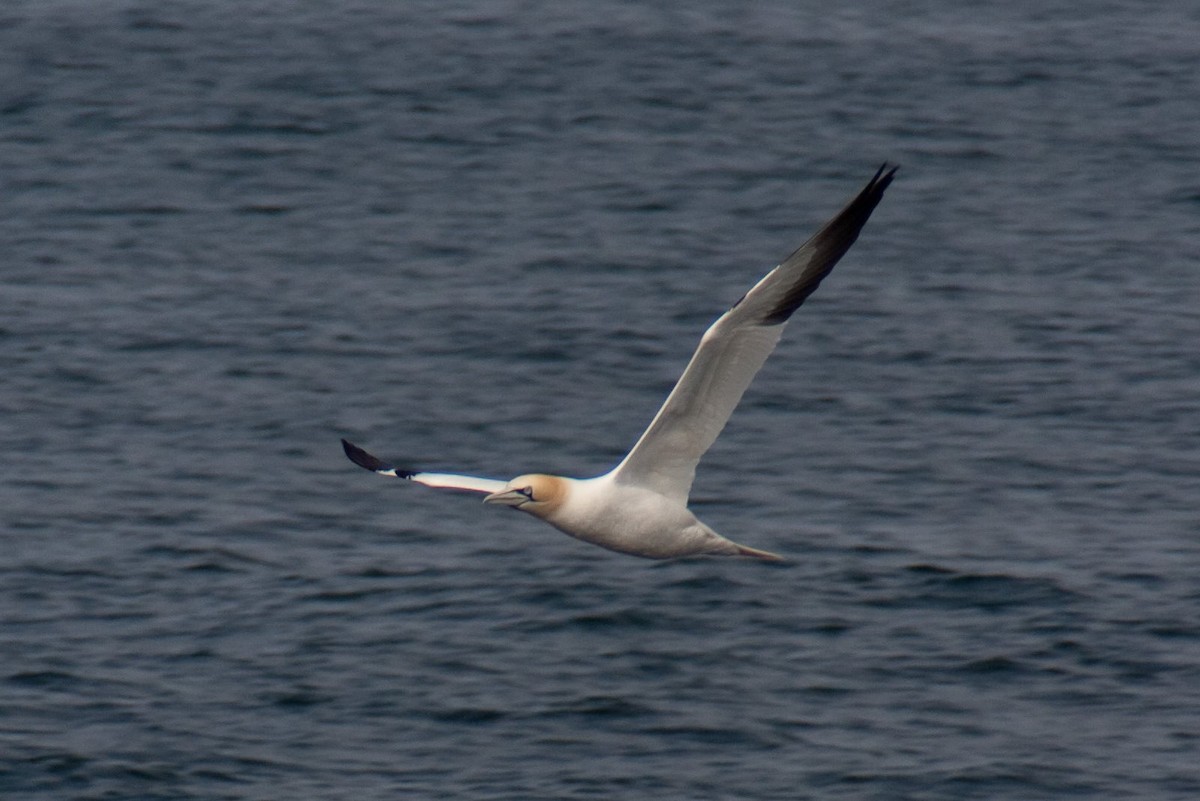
(640, 506)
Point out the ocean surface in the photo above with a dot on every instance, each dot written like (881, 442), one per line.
(485, 237)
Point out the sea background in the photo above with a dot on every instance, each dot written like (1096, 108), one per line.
(485, 237)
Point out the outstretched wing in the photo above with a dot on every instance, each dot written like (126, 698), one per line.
(732, 351)
(373, 463)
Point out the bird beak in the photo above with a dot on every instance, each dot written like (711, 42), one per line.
(506, 498)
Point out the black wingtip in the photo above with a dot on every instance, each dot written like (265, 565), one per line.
(883, 177)
(829, 244)
(363, 459)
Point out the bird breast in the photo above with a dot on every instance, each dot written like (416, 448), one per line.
(629, 519)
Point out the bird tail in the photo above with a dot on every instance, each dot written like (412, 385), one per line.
(742, 550)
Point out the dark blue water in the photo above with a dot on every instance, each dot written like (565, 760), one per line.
(486, 237)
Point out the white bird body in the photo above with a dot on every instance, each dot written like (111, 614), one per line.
(640, 506)
(628, 519)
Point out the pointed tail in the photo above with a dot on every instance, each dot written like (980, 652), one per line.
(742, 550)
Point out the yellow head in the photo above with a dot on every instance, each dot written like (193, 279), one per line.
(539, 495)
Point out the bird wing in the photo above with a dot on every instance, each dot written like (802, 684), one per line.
(733, 349)
(441, 480)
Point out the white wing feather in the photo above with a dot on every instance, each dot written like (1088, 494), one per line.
(373, 463)
(731, 352)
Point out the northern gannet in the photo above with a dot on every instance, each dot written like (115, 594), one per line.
(640, 506)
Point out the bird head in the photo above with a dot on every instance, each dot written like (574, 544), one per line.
(534, 493)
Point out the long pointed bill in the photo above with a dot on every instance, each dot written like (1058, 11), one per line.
(506, 498)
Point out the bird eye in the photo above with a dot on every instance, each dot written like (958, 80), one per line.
(527, 492)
